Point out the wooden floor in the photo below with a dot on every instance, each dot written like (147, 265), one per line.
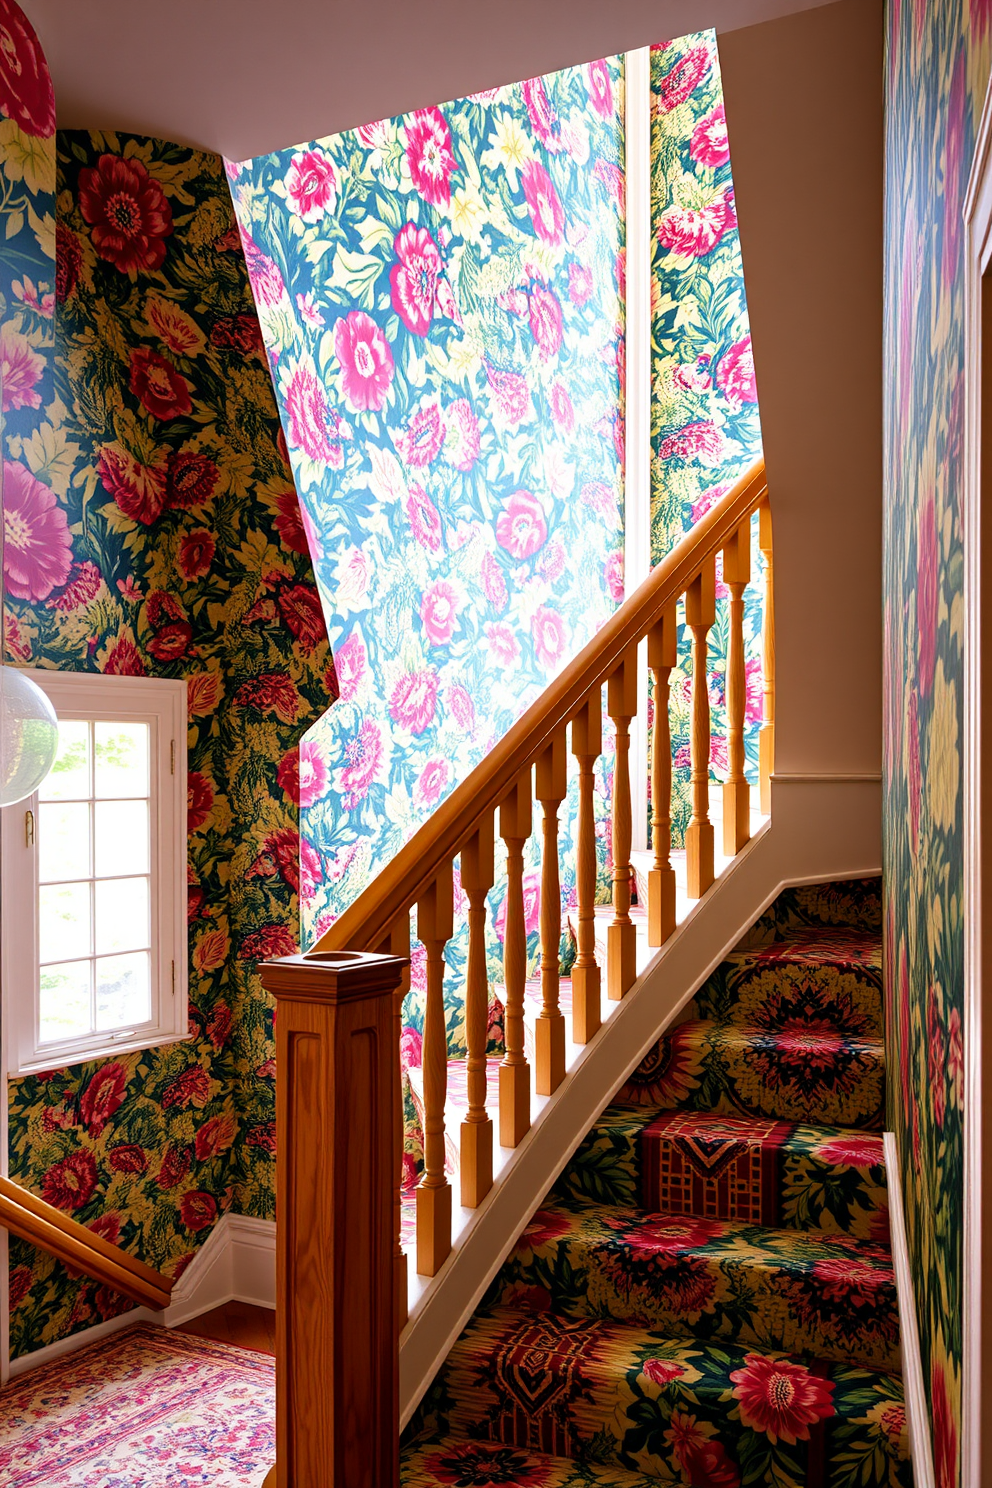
(239, 1323)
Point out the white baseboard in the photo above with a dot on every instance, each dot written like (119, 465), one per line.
(917, 1412)
(236, 1264)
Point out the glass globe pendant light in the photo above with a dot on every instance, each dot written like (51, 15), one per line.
(29, 729)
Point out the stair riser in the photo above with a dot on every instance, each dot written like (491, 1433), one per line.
(673, 1412)
(753, 992)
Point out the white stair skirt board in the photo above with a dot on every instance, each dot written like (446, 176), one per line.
(917, 1411)
(236, 1264)
(822, 828)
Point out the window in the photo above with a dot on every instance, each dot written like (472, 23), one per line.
(94, 877)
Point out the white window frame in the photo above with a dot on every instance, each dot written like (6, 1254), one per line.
(161, 703)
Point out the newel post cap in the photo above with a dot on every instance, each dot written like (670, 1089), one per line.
(332, 976)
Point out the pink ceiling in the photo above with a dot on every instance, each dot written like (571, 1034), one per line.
(246, 76)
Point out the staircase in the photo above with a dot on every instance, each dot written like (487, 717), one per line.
(706, 1296)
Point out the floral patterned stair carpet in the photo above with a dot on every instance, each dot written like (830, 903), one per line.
(145, 1408)
(707, 1295)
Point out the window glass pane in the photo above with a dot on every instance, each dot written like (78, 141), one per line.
(63, 842)
(123, 990)
(69, 777)
(121, 837)
(121, 759)
(65, 1001)
(64, 922)
(122, 915)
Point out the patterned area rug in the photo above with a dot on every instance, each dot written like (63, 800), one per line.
(143, 1409)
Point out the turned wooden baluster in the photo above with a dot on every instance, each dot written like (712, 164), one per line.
(515, 820)
(662, 657)
(736, 791)
(766, 736)
(549, 1034)
(621, 937)
(435, 923)
(476, 1148)
(700, 613)
(397, 943)
(587, 745)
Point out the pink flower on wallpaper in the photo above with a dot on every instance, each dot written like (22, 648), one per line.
(462, 707)
(311, 184)
(84, 585)
(430, 156)
(945, 1435)
(611, 177)
(550, 637)
(561, 407)
(521, 527)
(735, 373)
(532, 907)
(312, 774)
(433, 779)
(127, 213)
(754, 684)
(493, 583)
(266, 281)
(546, 321)
(914, 772)
(510, 394)
(613, 577)
(308, 312)
(104, 1093)
(290, 523)
(702, 441)
(461, 440)
(196, 553)
(600, 87)
(955, 1058)
(419, 443)
(683, 78)
(542, 114)
(709, 144)
(662, 1371)
(350, 664)
(503, 644)
(927, 592)
(311, 870)
(364, 756)
(692, 232)
(161, 390)
(691, 377)
(544, 204)
(25, 85)
(600, 498)
(21, 368)
(439, 607)
(580, 284)
(706, 500)
(411, 1048)
(424, 519)
(413, 279)
(413, 700)
(552, 564)
(37, 553)
(310, 418)
(366, 361)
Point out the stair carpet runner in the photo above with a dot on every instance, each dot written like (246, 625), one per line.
(707, 1296)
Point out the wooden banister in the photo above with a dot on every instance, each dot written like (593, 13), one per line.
(31, 1219)
(404, 881)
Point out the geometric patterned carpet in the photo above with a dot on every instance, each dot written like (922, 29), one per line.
(707, 1297)
(145, 1408)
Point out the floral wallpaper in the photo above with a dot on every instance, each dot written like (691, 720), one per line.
(156, 530)
(441, 297)
(705, 428)
(937, 70)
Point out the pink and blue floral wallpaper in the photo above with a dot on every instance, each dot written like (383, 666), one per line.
(938, 59)
(441, 297)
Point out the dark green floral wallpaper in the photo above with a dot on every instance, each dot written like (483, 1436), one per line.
(184, 555)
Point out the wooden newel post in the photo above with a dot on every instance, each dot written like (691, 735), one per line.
(337, 1360)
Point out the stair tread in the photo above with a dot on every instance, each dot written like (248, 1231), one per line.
(440, 1464)
(812, 1294)
(635, 1398)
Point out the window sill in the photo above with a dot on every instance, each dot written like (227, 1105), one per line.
(62, 1058)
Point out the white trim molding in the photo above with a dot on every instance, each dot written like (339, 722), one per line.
(976, 1392)
(236, 1264)
(917, 1411)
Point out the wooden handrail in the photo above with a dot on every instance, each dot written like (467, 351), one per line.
(400, 885)
(41, 1225)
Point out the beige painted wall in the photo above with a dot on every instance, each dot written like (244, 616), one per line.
(804, 112)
